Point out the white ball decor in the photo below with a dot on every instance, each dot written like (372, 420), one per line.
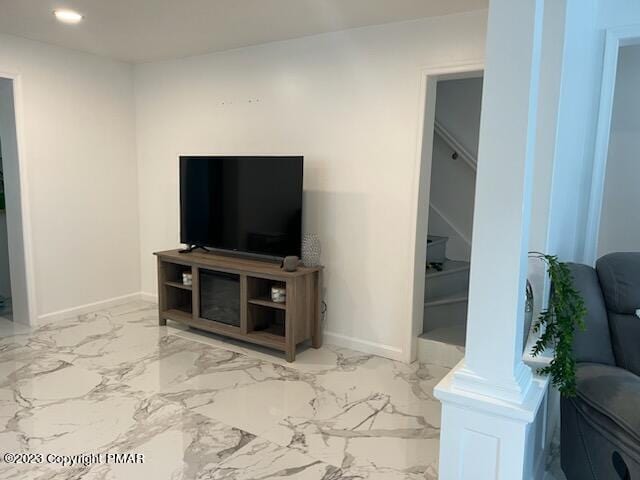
(311, 250)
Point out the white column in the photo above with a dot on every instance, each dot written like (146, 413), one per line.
(493, 359)
(491, 401)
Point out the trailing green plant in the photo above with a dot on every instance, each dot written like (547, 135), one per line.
(557, 324)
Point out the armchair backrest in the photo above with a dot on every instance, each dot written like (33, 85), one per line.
(619, 275)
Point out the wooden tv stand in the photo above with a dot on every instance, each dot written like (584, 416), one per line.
(231, 296)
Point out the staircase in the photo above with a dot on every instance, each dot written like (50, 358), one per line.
(445, 306)
(451, 204)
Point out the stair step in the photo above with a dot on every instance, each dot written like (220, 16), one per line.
(445, 312)
(451, 335)
(449, 268)
(442, 346)
(446, 300)
(436, 249)
(453, 280)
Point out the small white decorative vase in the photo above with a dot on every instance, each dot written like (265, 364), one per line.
(311, 250)
(278, 294)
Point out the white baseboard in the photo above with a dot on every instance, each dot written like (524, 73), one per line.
(332, 338)
(365, 346)
(88, 308)
(149, 297)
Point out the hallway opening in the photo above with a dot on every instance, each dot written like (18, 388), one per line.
(5, 274)
(447, 191)
(620, 218)
(16, 294)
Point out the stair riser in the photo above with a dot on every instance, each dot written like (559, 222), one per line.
(444, 315)
(445, 285)
(437, 353)
(437, 249)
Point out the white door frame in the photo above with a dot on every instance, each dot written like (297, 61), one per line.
(615, 38)
(429, 77)
(18, 260)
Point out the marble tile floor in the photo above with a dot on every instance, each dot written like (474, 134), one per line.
(201, 407)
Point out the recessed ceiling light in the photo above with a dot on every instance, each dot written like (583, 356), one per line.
(68, 16)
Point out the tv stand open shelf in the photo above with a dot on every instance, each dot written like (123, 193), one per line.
(231, 296)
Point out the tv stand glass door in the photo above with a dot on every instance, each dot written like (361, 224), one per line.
(220, 297)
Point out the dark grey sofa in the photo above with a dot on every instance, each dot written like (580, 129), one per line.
(600, 433)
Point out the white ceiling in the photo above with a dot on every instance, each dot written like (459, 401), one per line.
(148, 30)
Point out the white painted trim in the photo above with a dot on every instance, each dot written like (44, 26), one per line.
(515, 427)
(509, 390)
(449, 222)
(365, 346)
(524, 410)
(447, 136)
(149, 297)
(427, 82)
(25, 208)
(615, 38)
(540, 464)
(89, 307)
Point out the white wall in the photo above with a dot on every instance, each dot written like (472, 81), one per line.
(573, 153)
(458, 106)
(348, 101)
(77, 126)
(620, 221)
(578, 115)
(616, 13)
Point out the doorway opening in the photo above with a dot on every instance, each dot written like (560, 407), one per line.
(620, 218)
(16, 293)
(446, 204)
(6, 312)
(613, 196)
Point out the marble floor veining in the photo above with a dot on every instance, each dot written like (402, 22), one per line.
(196, 406)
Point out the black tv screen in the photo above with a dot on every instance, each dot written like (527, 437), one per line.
(244, 204)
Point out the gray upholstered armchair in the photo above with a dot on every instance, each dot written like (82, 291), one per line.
(600, 436)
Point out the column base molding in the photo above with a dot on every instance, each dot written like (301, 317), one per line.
(484, 437)
(513, 390)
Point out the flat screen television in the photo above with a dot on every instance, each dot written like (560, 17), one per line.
(249, 204)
